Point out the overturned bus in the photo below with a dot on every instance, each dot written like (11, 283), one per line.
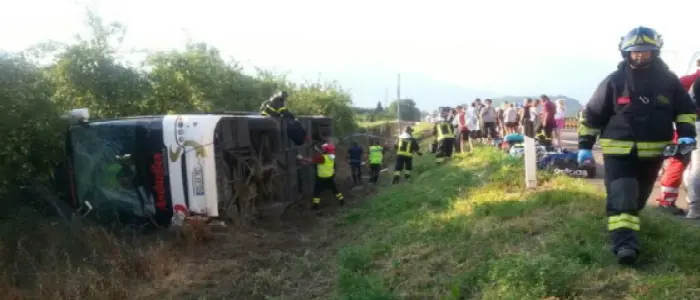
(164, 169)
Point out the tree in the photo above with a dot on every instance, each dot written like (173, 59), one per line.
(89, 73)
(380, 108)
(408, 110)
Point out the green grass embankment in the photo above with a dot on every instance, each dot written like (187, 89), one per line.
(470, 230)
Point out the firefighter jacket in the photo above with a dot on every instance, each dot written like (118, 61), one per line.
(636, 110)
(406, 145)
(275, 107)
(443, 130)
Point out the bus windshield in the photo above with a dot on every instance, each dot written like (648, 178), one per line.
(106, 172)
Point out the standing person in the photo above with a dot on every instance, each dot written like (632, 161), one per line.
(559, 120)
(547, 123)
(501, 122)
(479, 107)
(405, 147)
(355, 158)
(535, 116)
(488, 117)
(692, 176)
(463, 129)
(688, 80)
(634, 110)
(445, 138)
(673, 169)
(325, 174)
(511, 119)
(526, 119)
(375, 159)
(473, 124)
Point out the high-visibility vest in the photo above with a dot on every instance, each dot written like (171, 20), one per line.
(327, 168)
(404, 147)
(445, 130)
(375, 155)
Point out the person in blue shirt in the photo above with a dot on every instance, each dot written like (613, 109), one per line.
(355, 155)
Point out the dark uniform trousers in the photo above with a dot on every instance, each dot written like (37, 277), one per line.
(323, 184)
(629, 180)
(404, 164)
(445, 149)
(374, 172)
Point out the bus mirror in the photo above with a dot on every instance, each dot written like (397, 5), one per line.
(80, 115)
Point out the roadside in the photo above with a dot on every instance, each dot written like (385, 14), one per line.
(469, 230)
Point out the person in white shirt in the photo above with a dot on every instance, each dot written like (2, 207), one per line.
(473, 122)
(511, 118)
(559, 118)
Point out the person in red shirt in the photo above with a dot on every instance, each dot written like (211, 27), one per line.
(672, 176)
(547, 123)
(463, 129)
(687, 80)
(325, 174)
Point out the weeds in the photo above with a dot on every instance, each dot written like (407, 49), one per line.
(465, 230)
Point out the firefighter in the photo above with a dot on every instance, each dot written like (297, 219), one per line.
(405, 147)
(673, 169)
(375, 158)
(634, 110)
(325, 174)
(444, 134)
(276, 106)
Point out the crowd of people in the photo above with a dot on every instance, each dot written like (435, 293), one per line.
(482, 122)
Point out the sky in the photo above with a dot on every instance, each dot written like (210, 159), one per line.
(447, 52)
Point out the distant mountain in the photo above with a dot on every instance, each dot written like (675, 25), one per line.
(572, 105)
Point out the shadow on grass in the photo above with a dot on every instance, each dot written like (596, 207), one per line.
(470, 231)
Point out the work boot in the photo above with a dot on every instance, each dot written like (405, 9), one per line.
(693, 212)
(626, 256)
(671, 209)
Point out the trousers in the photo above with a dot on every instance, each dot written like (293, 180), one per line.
(404, 164)
(323, 184)
(629, 180)
(374, 172)
(445, 149)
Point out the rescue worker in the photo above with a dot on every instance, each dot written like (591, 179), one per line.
(405, 147)
(444, 134)
(325, 174)
(633, 111)
(276, 106)
(692, 174)
(355, 158)
(672, 175)
(375, 159)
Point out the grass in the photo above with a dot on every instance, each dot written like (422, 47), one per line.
(470, 230)
(465, 230)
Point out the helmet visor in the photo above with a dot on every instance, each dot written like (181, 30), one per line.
(640, 48)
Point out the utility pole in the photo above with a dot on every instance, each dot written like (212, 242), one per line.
(398, 98)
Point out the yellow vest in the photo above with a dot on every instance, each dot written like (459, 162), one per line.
(404, 147)
(375, 155)
(327, 168)
(445, 130)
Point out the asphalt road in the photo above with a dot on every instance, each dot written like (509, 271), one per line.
(570, 140)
